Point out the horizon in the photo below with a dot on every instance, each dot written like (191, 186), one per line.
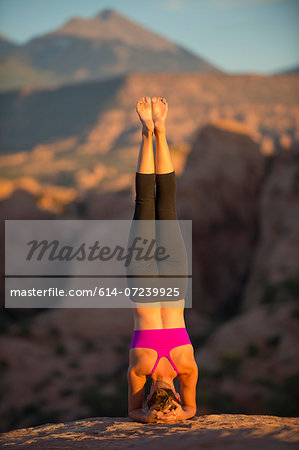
(256, 36)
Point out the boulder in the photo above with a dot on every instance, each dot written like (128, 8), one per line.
(219, 191)
(275, 270)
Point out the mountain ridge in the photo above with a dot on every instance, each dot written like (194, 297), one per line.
(96, 48)
(111, 25)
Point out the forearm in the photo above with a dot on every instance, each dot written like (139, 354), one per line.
(138, 415)
(189, 411)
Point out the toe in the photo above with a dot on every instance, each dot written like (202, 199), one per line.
(147, 99)
(154, 99)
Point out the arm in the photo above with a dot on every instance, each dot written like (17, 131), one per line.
(138, 415)
(136, 383)
(188, 392)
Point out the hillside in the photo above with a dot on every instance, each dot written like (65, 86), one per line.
(86, 136)
(244, 319)
(102, 46)
(290, 71)
(6, 46)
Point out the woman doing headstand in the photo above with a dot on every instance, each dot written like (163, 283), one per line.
(160, 346)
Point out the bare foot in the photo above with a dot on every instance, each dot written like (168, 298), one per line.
(160, 109)
(144, 110)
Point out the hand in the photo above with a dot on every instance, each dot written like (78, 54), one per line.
(174, 415)
(152, 415)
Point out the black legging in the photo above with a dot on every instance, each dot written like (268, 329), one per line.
(155, 219)
(149, 208)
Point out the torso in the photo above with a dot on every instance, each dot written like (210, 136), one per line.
(144, 358)
(158, 317)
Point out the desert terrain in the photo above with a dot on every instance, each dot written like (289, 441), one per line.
(68, 150)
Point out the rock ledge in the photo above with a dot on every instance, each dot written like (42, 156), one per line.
(212, 431)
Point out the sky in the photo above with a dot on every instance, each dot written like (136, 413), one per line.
(238, 36)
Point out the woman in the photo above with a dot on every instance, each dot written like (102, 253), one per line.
(160, 346)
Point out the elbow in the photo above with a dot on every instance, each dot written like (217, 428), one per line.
(194, 411)
(190, 412)
(132, 414)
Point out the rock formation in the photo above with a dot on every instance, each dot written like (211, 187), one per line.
(209, 431)
(219, 192)
(250, 362)
(275, 269)
(60, 366)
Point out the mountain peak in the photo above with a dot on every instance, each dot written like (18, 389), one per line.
(108, 44)
(107, 14)
(111, 26)
(6, 45)
(3, 37)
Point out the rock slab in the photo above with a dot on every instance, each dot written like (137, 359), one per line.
(233, 431)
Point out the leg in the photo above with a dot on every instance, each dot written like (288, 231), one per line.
(165, 175)
(168, 231)
(146, 155)
(163, 162)
(143, 223)
(145, 174)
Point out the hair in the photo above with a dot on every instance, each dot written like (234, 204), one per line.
(162, 398)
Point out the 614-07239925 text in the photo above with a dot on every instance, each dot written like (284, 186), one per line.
(100, 291)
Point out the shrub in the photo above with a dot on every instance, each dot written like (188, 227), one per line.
(273, 341)
(284, 399)
(231, 363)
(252, 349)
(287, 289)
(89, 345)
(60, 349)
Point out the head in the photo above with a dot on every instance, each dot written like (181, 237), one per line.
(162, 396)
